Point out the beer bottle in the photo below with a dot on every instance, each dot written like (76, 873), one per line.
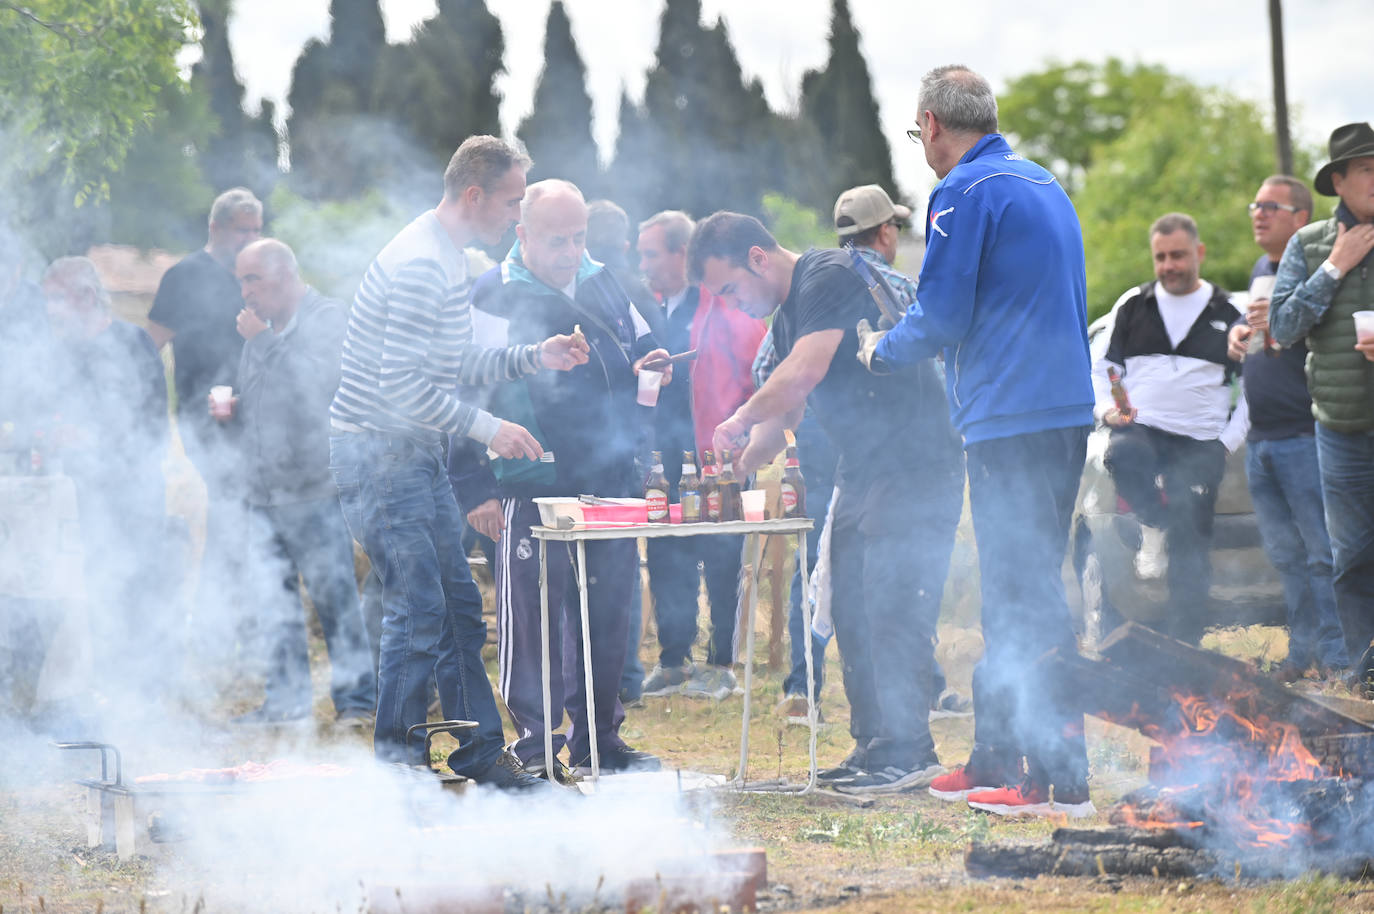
(731, 505)
(689, 490)
(656, 491)
(793, 485)
(1123, 402)
(710, 489)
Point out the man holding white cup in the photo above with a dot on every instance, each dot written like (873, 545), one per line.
(1281, 448)
(1323, 283)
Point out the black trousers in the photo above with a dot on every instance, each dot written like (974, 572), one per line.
(889, 555)
(1191, 470)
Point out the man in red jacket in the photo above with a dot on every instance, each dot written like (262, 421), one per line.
(685, 418)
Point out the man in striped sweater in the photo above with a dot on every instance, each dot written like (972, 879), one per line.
(408, 347)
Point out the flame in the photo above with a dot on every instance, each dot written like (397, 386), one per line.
(1221, 754)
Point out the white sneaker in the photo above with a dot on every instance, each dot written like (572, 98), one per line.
(1151, 561)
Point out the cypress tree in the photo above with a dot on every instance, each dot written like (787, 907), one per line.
(225, 155)
(839, 102)
(558, 131)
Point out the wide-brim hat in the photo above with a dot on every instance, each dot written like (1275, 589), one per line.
(1353, 141)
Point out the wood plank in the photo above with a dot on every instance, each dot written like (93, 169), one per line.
(1160, 659)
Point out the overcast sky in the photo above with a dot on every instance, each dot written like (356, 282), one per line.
(1217, 42)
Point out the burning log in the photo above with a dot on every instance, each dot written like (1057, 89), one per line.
(1073, 852)
(1205, 674)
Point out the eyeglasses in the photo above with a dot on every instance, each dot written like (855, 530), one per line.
(915, 134)
(1269, 207)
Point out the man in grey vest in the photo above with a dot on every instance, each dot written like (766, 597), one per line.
(1324, 279)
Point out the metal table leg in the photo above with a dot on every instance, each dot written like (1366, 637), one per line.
(587, 658)
(811, 716)
(545, 658)
(757, 539)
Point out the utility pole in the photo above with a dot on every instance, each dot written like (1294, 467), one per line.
(1281, 137)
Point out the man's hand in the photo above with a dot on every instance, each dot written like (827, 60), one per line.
(1351, 246)
(488, 520)
(1117, 418)
(868, 342)
(654, 356)
(513, 442)
(765, 442)
(731, 435)
(564, 351)
(249, 324)
(1257, 314)
(1238, 341)
(1367, 347)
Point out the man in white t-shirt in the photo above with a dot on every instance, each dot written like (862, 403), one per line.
(1168, 446)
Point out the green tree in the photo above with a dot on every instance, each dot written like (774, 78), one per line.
(1063, 115)
(695, 144)
(1202, 153)
(332, 86)
(78, 79)
(839, 101)
(441, 86)
(558, 131)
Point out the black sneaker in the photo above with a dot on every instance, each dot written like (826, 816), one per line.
(892, 779)
(852, 765)
(562, 774)
(616, 759)
(507, 773)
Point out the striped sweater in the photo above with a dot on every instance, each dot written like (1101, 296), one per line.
(409, 343)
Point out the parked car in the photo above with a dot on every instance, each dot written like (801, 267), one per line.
(1102, 583)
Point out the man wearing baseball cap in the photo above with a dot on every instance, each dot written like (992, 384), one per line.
(1323, 284)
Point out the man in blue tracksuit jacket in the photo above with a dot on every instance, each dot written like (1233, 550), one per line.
(1002, 295)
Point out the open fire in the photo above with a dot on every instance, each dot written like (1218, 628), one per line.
(1248, 777)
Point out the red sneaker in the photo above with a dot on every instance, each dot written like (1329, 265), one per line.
(958, 784)
(1031, 799)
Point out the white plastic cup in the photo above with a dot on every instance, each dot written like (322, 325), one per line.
(1364, 325)
(753, 500)
(649, 383)
(221, 398)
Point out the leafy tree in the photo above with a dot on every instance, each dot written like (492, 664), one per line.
(558, 131)
(1063, 115)
(1203, 152)
(241, 150)
(332, 85)
(441, 86)
(796, 227)
(78, 78)
(696, 142)
(839, 101)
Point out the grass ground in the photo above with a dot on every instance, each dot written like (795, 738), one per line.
(904, 853)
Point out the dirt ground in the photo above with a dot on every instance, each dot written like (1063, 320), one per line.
(901, 853)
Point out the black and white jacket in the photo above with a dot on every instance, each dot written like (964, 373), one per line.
(1183, 390)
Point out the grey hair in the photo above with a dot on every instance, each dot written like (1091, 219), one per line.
(960, 99)
(482, 161)
(541, 189)
(677, 228)
(1298, 194)
(1174, 222)
(232, 202)
(78, 274)
(276, 255)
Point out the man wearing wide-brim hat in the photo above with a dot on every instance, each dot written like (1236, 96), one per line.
(1323, 289)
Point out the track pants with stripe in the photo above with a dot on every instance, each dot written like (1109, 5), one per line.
(611, 566)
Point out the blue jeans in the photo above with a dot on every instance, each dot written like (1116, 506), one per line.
(1347, 471)
(399, 504)
(1285, 487)
(310, 538)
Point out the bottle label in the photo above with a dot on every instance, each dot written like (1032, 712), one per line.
(656, 500)
(789, 498)
(691, 506)
(793, 463)
(713, 505)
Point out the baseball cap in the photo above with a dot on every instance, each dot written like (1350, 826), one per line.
(862, 208)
